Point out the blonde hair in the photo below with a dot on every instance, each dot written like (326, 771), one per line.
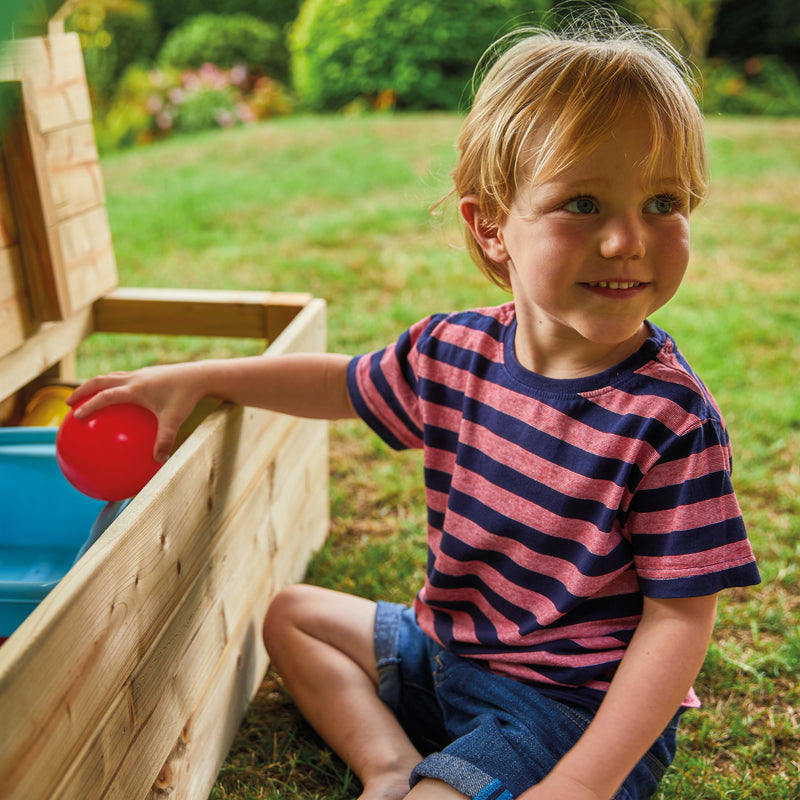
(567, 91)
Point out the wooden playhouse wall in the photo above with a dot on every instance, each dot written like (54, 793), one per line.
(132, 676)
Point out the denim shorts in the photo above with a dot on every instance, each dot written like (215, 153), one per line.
(488, 736)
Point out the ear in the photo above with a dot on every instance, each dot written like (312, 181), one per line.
(488, 235)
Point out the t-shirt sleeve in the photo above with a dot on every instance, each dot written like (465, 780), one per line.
(383, 387)
(686, 527)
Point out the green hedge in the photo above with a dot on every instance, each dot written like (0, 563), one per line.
(423, 53)
(113, 36)
(173, 13)
(762, 85)
(227, 41)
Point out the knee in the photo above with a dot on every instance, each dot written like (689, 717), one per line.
(285, 612)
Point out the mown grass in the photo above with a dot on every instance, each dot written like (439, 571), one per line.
(339, 207)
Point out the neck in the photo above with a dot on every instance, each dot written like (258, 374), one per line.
(563, 359)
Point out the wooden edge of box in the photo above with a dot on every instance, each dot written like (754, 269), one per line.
(73, 659)
(198, 312)
(244, 314)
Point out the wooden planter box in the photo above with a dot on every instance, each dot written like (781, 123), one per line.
(130, 679)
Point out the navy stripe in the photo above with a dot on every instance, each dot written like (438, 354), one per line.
(680, 543)
(537, 541)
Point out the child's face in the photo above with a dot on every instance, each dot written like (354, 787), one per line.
(591, 253)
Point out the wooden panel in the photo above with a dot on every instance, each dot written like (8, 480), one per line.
(88, 263)
(156, 626)
(54, 178)
(47, 346)
(171, 678)
(15, 313)
(198, 312)
(14, 316)
(73, 168)
(8, 225)
(56, 93)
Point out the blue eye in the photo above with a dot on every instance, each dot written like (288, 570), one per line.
(663, 204)
(581, 205)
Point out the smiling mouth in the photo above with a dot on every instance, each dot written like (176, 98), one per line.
(614, 284)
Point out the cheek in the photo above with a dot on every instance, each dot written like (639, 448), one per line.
(675, 249)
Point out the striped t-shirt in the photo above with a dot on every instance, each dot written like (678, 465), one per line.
(553, 505)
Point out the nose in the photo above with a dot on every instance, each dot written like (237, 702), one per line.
(622, 237)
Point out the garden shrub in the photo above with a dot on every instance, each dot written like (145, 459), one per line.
(761, 85)
(172, 13)
(114, 34)
(151, 104)
(227, 41)
(422, 53)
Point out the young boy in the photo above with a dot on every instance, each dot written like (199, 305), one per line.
(581, 517)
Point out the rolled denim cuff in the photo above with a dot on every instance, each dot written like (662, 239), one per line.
(462, 776)
(388, 617)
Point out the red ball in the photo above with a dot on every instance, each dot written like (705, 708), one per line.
(109, 454)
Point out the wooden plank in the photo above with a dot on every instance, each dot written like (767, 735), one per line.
(198, 312)
(48, 345)
(8, 225)
(54, 178)
(193, 765)
(53, 77)
(73, 168)
(15, 321)
(28, 194)
(114, 605)
(71, 659)
(170, 679)
(89, 268)
(172, 683)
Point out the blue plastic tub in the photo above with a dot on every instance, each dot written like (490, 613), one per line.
(44, 522)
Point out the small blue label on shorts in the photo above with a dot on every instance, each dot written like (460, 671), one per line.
(494, 791)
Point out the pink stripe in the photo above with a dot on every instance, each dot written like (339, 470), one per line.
(694, 564)
(686, 518)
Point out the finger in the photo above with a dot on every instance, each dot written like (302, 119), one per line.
(95, 385)
(101, 399)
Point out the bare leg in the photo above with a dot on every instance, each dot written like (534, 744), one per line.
(321, 643)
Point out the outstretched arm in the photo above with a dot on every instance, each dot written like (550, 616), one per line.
(659, 667)
(304, 385)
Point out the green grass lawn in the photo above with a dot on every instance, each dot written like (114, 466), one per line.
(339, 207)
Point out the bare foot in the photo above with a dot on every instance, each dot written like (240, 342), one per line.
(390, 786)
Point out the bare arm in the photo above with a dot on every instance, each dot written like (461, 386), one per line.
(655, 674)
(304, 385)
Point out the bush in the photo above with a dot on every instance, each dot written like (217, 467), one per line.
(152, 104)
(114, 34)
(422, 53)
(761, 85)
(172, 13)
(743, 30)
(226, 41)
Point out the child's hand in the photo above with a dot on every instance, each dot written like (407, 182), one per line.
(170, 392)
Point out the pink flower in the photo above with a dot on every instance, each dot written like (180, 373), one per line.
(245, 113)
(154, 104)
(225, 119)
(164, 121)
(191, 80)
(239, 75)
(212, 76)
